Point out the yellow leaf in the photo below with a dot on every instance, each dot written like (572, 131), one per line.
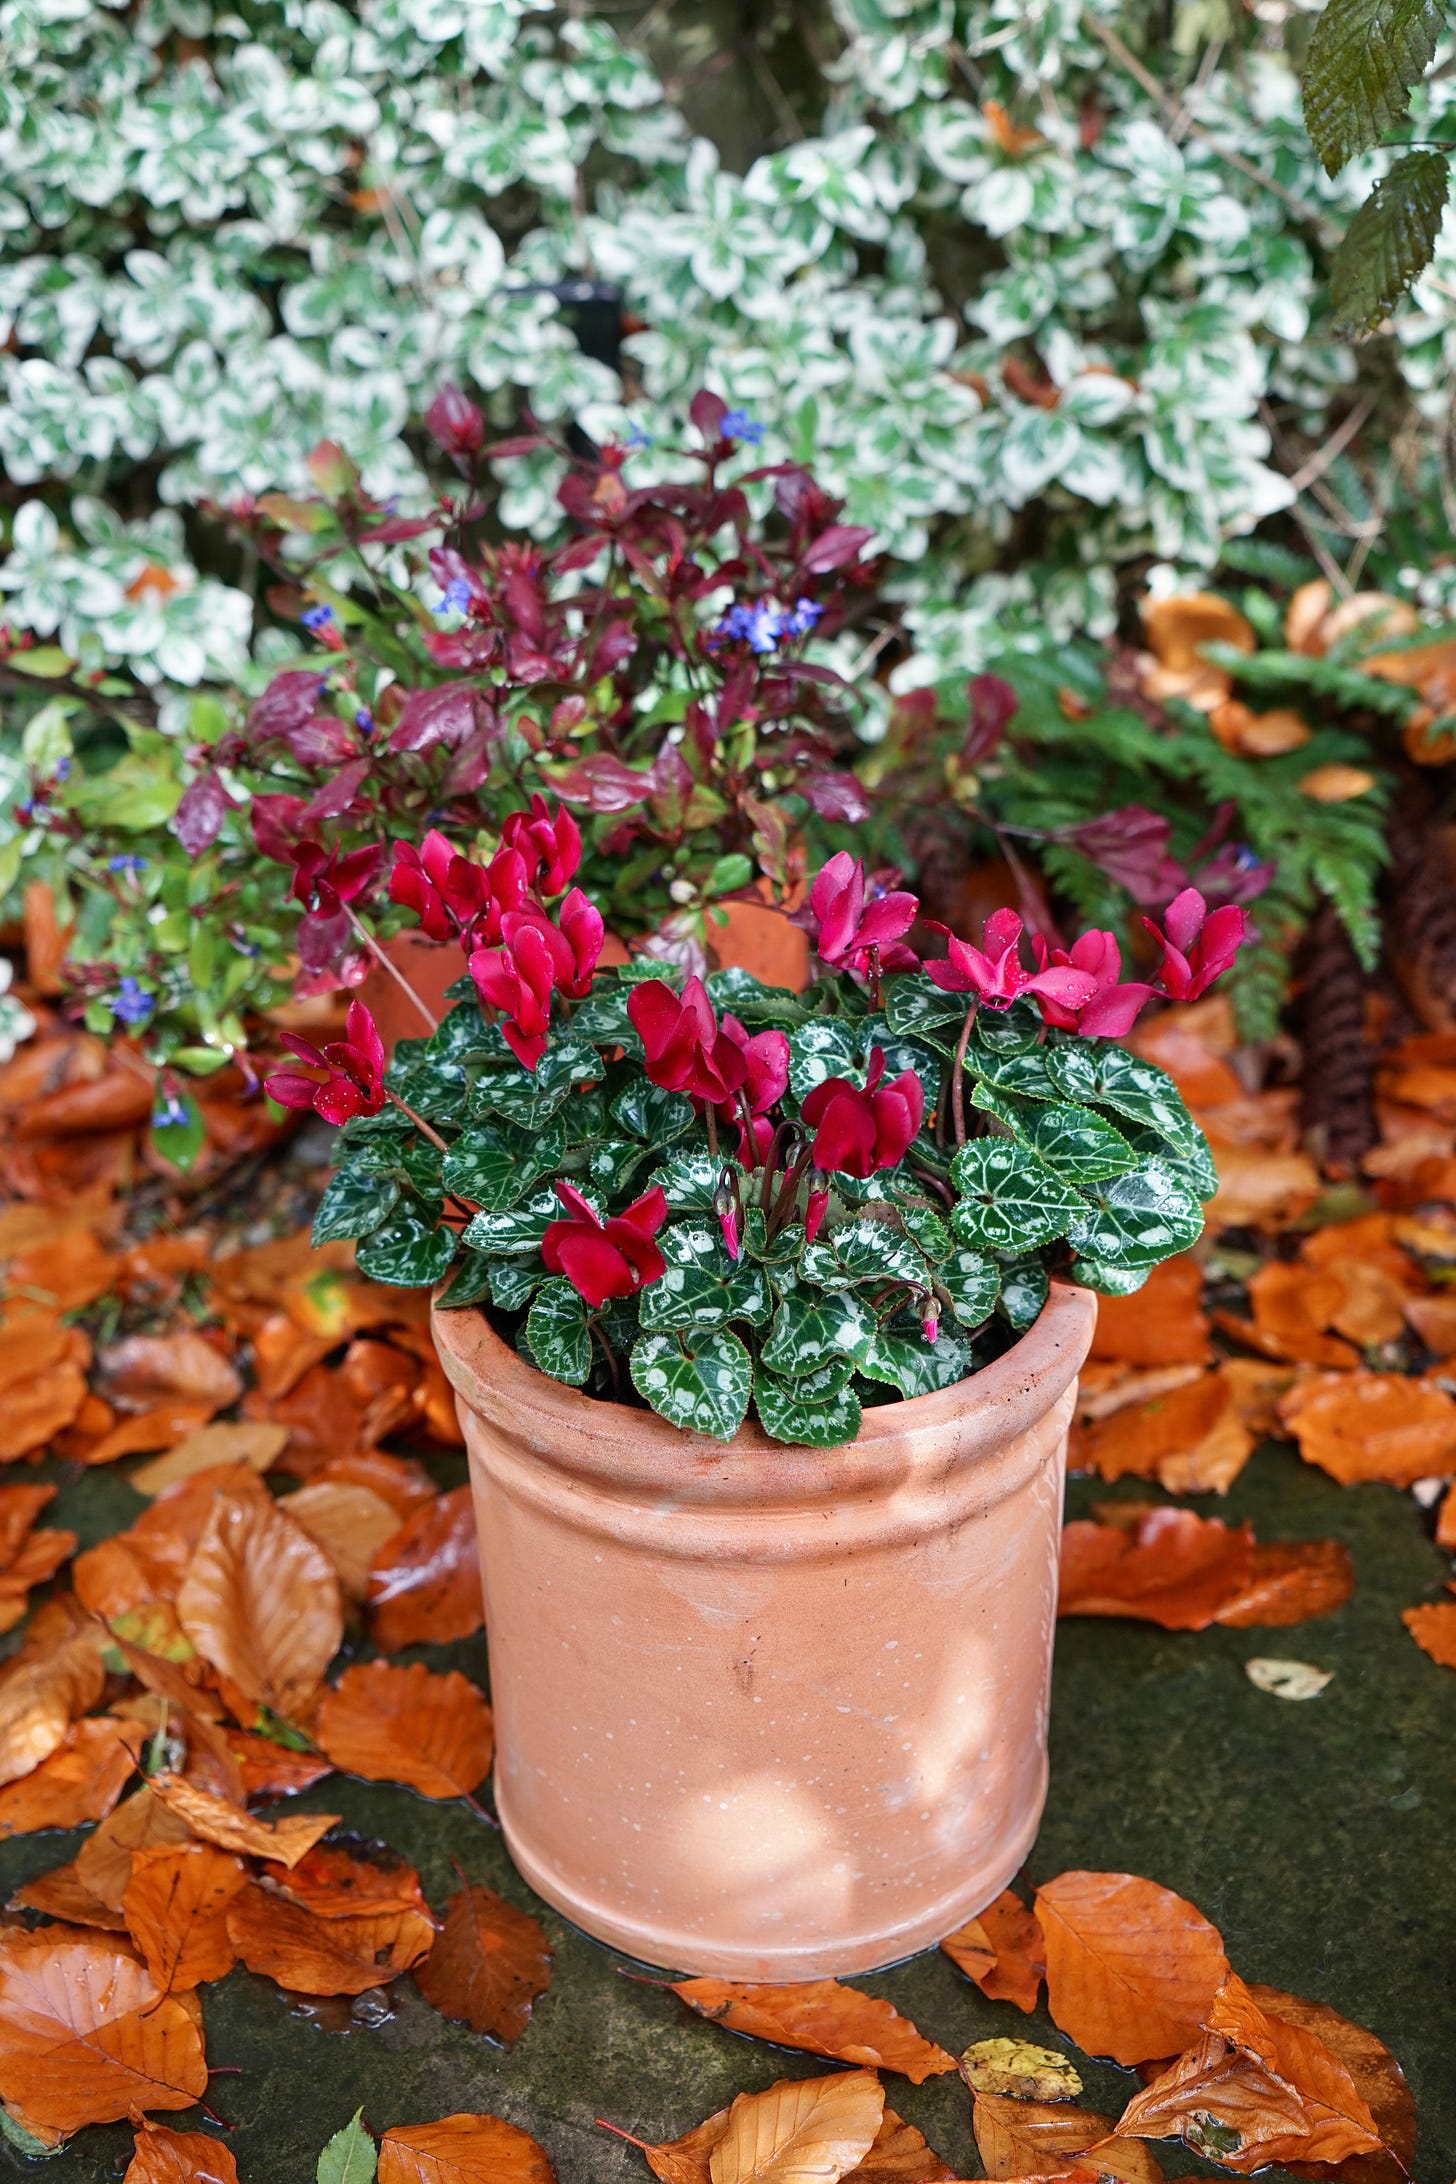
(806, 2131)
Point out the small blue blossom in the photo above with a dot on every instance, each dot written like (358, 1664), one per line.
(63, 767)
(170, 1113)
(1246, 859)
(318, 617)
(131, 1005)
(364, 721)
(759, 627)
(126, 864)
(738, 425)
(455, 599)
(636, 440)
(246, 947)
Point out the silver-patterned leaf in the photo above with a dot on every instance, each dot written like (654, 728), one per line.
(812, 1326)
(410, 1250)
(790, 1410)
(519, 1228)
(495, 1163)
(700, 1286)
(1137, 1219)
(1008, 1201)
(916, 1367)
(1108, 1281)
(1024, 1287)
(1074, 1143)
(650, 1113)
(918, 1010)
(863, 1250)
(698, 1382)
(1106, 1075)
(689, 1181)
(827, 1046)
(973, 1284)
(353, 1203)
(557, 1331)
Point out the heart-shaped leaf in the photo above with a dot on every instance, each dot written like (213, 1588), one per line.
(1008, 1199)
(973, 1284)
(1075, 1144)
(812, 1326)
(513, 1282)
(900, 1356)
(647, 1112)
(812, 1412)
(528, 1097)
(520, 1229)
(470, 1283)
(1097, 1072)
(918, 1010)
(701, 1382)
(1024, 1287)
(1138, 1218)
(1020, 1071)
(701, 1286)
(409, 1251)
(495, 1164)
(864, 1250)
(614, 1163)
(557, 1331)
(689, 1181)
(825, 1047)
(1109, 1281)
(353, 1203)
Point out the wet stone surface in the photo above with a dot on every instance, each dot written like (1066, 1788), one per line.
(1317, 1835)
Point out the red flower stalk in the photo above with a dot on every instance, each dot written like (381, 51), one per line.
(849, 926)
(601, 1259)
(354, 1066)
(689, 1051)
(1197, 948)
(1113, 1008)
(550, 847)
(857, 1132)
(995, 972)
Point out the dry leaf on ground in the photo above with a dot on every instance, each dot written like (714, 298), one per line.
(313, 1955)
(80, 1780)
(1020, 2068)
(1374, 2071)
(1001, 1951)
(801, 2132)
(286, 1840)
(462, 2150)
(1132, 1968)
(143, 1822)
(144, 1370)
(1192, 1439)
(899, 2155)
(61, 1894)
(349, 1878)
(1291, 1581)
(1287, 1679)
(408, 1725)
(822, 2017)
(1163, 1324)
(424, 1588)
(54, 1678)
(85, 2036)
(245, 1443)
(1433, 1628)
(161, 2156)
(351, 1523)
(162, 1427)
(488, 1966)
(1177, 1569)
(262, 1603)
(1362, 1425)
(175, 1907)
(267, 1769)
(1025, 2138)
(148, 1561)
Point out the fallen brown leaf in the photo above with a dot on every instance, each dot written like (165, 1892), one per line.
(463, 2150)
(80, 1780)
(313, 1955)
(142, 1371)
(1434, 1320)
(60, 1894)
(148, 1561)
(408, 1725)
(161, 2156)
(1132, 1968)
(143, 1822)
(1433, 1628)
(55, 1677)
(424, 1587)
(262, 1603)
(351, 1523)
(1177, 1569)
(207, 1446)
(274, 1770)
(800, 2131)
(1001, 1951)
(1377, 2078)
(1022, 2138)
(1191, 1439)
(1163, 1324)
(349, 1878)
(1293, 1305)
(1291, 1581)
(489, 1965)
(402, 1481)
(85, 2035)
(286, 1840)
(1021, 2069)
(822, 2017)
(37, 1411)
(899, 2155)
(161, 1427)
(1361, 1425)
(175, 1907)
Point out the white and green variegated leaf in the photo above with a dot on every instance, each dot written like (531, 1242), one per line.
(700, 1286)
(470, 1283)
(925, 1227)
(557, 1331)
(973, 1284)
(906, 1361)
(1074, 1143)
(602, 1017)
(1108, 1281)
(863, 1250)
(530, 1098)
(689, 1181)
(517, 1228)
(1016, 1030)
(799, 1412)
(753, 1003)
(1194, 1164)
(1021, 1072)
(495, 1163)
(1008, 1201)
(1138, 1218)
(786, 1248)
(353, 1203)
(901, 1054)
(650, 1113)
(1097, 1071)
(614, 1163)
(811, 1326)
(1024, 1287)
(438, 1091)
(699, 1382)
(918, 1010)
(513, 1282)
(825, 1047)
(409, 1250)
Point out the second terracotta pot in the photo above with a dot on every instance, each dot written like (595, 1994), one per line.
(772, 1713)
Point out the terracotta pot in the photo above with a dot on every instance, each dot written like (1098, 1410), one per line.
(772, 1713)
(429, 966)
(760, 940)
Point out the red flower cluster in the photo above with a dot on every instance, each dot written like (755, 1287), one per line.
(717, 1066)
(1197, 948)
(353, 1083)
(857, 1132)
(996, 974)
(847, 925)
(602, 1259)
(534, 958)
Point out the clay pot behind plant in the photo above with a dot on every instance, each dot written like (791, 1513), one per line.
(770, 1712)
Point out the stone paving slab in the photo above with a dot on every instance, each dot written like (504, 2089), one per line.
(1318, 1836)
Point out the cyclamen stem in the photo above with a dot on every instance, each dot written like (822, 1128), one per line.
(711, 1119)
(393, 969)
(599, 1335)
(958, 1076)
(418, 1120)
(873, 967)
(788, 1194)
(750, 1159)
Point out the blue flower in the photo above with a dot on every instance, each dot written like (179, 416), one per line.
(170, 1113)
(806, 613)
(63, 767)
(738, 425)
(318, 617)
(455, 599)
(364, 721)
(636, 440)
(131, 1005)
(126, 864)
(759, 627)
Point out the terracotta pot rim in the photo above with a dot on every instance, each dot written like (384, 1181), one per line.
(609, 1444)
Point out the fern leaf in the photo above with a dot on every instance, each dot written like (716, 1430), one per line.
(1364, 56)
(1390, 241)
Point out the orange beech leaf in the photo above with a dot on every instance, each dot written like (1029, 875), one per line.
(1446, 1521)
(351, 1523)
(1001, 1951)
(1176, 1569)
(61, 1895)
(104, 1861)
(36, 1412)
(1179, 626)
(1163, 1324)
(162, 1427)
(161, 2156)
(350, 1878)
(462, 2150)
(286, 1840)
(85, 2036)
(1374, 2072)
(489, 1965)
(1372, 1426)
(56, 1676)
(425, 1585)
(207, 1446)
(1373, 1310)
(80, 1780)
(67, 1274)
(1293, 1304)
(899, 2155)
(38, 1557)
(822, 2017)
(1291, 1581)
(434, 1733)
(142, 1371)
(175, 1907)
(1026, 2138)
(273, 1770)
(312, 1955)
(148, 1561)
(800, 2131)
(32, 1343)
(1259, 1188)
(1132, 1969)
(1433, 1628)
(402, 1481)
(1255, 2090)
(283, 1354)
(261, 1602)
(20, 1506)
(1191, 1439)
(1434, 1320)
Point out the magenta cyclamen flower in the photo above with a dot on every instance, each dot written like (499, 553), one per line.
(444, 890)
(857, 1132)
(602, 1259)
(353, 1083)
(324, 879)
(1113, 1009)
(852, 919)
(534, 958)
(719, 1066)
(996, 974)
(1197, 947)
(550, 848)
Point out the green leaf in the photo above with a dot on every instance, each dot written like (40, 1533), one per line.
(24, 2141)
(1008, 1200)
(1363, 58)
(753, 1003)
(701, 1286)
(1023, 1073)
(700, 1382)
(1109, 1281)
(810, 1327)
(1108, 1076)
(181, 1142)
(1074, 1143)
(1016, 1030)
(514, 1281)
(650, 1113)
(863, 1250)
(519, 1228)
(919, 1010)
(905, 1360)
(1389, 241)
(972, 1283)
(469, 1284)
(804, 1413)
(495, 1164)
(354, 1202)
(557, 1331)
(689, 1181)
(531, 1099)
(1137, 1219)
(602, 1017)
(1024, 1287)
(410, 1250)
(925, 1227)
(825, 1047)
(1193, 1166)
(613, 1163)
(349, 2157)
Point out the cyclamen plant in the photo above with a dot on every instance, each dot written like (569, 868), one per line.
(717, 1196)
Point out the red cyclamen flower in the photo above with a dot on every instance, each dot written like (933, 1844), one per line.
(995, 972)
(444, 890)
(534, 958)
(1197, 948)
(857, 1132)
(689, 1051)
(550, 847)
(849, 926)
(612, 1258)
(323, 879)
(1113, 1009)
(354, 1084)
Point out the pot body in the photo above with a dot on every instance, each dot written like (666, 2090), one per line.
(770, 1713)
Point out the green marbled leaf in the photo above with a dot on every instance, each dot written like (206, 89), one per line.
(1008, 1201)
(812, 1326)
(1137, 1219)
(354, 1202)
(1100, 1073)
(699, 1382)
(409, 1250)
(973, 1284)
(557, 1331)
(1024, 1288)
(788, 1410)
(495, 1163)
(1075, 1144)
